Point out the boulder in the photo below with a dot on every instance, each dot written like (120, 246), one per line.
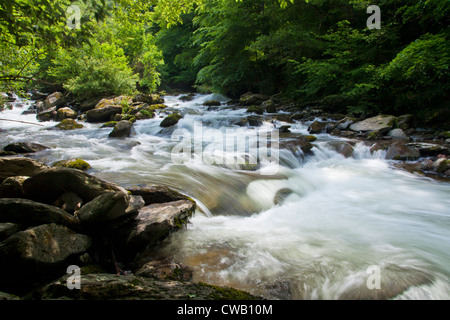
(256, 109)
(149, 98)
(7, 229)
(318, 127)
(47, 115)
(269, 106)
(398, 134)
(73, 163)
(250, 98)
(88, 104)
(56, 99)
(28, 213)
(171, 120)
(381, 123)
(344, 148)
(155, 222)
(38, 251)
(344, 123)
(299, 145)
(65, 113)
(103, 114)
(441, 165)
(398, 151)
(12, 187)
(254, 121)
(122, 129)
(131, 287)
(15, 166)
(109, 211)
(25, 147)
(69, 124)
(157, 194)
(211, 103)
(49, 185)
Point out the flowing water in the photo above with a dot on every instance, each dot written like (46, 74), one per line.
(321, 227)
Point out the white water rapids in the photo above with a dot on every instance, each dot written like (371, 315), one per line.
(341, 217)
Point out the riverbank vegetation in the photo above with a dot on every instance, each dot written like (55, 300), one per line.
(316, 52)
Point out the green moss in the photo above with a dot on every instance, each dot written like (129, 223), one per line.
(110, 124)
(74, 164)
(310, 138)
(171, 120)
(225, 293)
(69, 124)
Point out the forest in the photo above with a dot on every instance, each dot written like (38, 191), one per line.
(316, 52)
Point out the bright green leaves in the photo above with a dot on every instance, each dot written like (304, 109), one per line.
(94, 71)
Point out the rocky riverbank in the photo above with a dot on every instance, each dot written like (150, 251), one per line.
(55, 217)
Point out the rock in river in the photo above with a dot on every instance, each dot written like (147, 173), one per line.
(15, 166)
(157, 221)
(29, 213)
(38, 251)
(52, 183)
(379, 123)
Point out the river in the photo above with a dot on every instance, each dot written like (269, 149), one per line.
(345, 228)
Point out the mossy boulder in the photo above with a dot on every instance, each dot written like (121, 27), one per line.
(69, 124)
(171, 120)
(110, 124)
(66, 113)
(255, 109)
(74, 164)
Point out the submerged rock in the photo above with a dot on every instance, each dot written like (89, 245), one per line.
(344, 148)
(25, 147)
(103, 114)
